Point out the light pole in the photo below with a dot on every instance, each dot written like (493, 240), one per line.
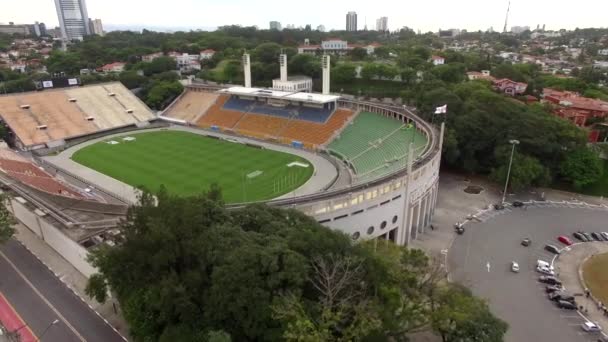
(47, 328)
(513, 143)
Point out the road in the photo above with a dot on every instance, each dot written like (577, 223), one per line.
(40, 298)
(519, 299)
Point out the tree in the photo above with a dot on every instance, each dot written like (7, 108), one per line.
(158, 65)
(358, 53)
(525, 171)
(343, 73)
(582, 167)
(267, 53)
(160, 92)
(6, 220)
(131, 79)
(459, 316)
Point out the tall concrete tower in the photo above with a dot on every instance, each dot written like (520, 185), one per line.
(283, 64)
(247, 70)
(326, 65)
(351, 21)
(73, 19)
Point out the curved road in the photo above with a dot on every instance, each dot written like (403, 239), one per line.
(39, 298)
(480, 259)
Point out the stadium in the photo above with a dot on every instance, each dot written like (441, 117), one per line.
(79, 154)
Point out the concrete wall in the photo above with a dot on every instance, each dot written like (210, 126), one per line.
(71, 251)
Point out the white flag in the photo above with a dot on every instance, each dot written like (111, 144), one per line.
(441, 110)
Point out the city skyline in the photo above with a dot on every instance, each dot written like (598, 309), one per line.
(421, 16)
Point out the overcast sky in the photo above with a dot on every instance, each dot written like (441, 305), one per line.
(418, 14)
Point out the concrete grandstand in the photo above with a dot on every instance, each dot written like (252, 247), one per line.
(39, 119)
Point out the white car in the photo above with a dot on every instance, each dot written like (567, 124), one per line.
(591, 327)
(545, 270)
(514, 266)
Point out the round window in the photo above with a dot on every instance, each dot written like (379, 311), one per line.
(356, 235)
(370, 230)
(383, 225)
(395, 219)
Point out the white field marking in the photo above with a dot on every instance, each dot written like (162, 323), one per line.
(488, 266)
(27, 281)
(297, 164)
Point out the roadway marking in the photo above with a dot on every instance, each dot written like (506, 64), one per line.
(63, 319)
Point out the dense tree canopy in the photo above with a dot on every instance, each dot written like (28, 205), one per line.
(6, 220)
(188, 269)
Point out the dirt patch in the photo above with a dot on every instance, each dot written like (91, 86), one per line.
(595, 272)
(473, 189)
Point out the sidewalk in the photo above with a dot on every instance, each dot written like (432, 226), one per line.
(568, 266)
(71, 277)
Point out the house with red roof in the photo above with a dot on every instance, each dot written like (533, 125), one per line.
(207, 54)
(483, 75)
(113, 67)
(437, 60)
(570, 105)
(510, 87)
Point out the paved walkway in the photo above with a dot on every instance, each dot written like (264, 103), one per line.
(69, 275)
(324, 173)
(568, 266)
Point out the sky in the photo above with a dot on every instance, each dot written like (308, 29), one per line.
(421, 15)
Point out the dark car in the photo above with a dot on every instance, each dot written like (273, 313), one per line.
(499, 206)
(553, 288)
(518, 204)
(596, 236)
(551, 280)
(526, 242)
(552, 249)
(559, 295)
(562, 304)
(580, 237)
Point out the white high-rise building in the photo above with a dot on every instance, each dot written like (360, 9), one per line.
(73, 19)
(275, 25)
(351, 21)
(96, 27)
(382, 24)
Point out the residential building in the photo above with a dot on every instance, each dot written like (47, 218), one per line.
(96, 27)
(600, 64)
(519, 29)
(151, 57)
(73, 19)
(18, 67)
(603, 52)
(437, 60)
(382, 24)
(15, 29)
(483, 75)
(351, 21)
(186, 62)
(335, 46)
(275, 25)
(572, 106)
(510, 87)
(207, 54)
(39, 29)
(113, 67)
(293, 84)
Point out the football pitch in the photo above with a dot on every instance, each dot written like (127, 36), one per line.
(187, 164)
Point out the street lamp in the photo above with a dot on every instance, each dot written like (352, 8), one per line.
(47, 328)
(513, 143)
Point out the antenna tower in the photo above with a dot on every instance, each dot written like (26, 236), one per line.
(504, 30)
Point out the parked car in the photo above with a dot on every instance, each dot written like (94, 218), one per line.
(601, 236)
(518, 204)
(565, 240)
(552, 249)
(553, 288)
(591, 327)
(605, 235)
(562, 304)
(596, 236)
(551, 280)
(580, 236)
(545, 270)
(499, 206)
(526, 242)
(588, 236)
(559, 295)
(514, 267)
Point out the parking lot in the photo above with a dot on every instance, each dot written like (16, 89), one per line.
(482, 256)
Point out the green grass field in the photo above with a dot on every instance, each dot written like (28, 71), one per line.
(188, 163)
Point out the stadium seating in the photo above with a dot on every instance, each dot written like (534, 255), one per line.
(313, 114)
(299, 112)
(191, 105)
(217, 116)
(31, 175)
(127, 100)
(261, 126)
(376, 145)
(312, 133)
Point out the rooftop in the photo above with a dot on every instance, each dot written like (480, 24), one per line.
(284, 95)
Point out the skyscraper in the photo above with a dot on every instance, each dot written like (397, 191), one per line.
(382, 24)
(73, 19)
(96, 27)
(351, 21)
(275, 25)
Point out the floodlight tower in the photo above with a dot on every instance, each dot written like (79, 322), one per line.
(504, 30)
(326, 65)
(247, 70)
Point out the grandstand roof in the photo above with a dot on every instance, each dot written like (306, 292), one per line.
(284, 95)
